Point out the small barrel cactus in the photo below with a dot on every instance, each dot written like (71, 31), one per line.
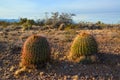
(84, 48)
(36, 51)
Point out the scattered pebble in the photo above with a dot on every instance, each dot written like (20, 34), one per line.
(75, 77)
(12, 68)
(41, 73)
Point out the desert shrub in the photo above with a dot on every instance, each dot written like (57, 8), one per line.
(22, 21)
(84, 49)
(68, 27)
(36, 52)
(40, 22)
(4, 24)
(48, 22)
(27, 25)
(101, 25)
(71, 26)
(90, 25)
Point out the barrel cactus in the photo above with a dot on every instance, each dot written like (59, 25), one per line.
(36, 51)
(84, 48)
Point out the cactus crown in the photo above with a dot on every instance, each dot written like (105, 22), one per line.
(36, 50)
(83, 45)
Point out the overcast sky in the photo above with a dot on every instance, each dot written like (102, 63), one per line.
(85, 10)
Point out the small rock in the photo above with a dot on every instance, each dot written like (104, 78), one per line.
(76, 77)
(41, 73)
(65, 67)
(93, 78)
(0, 69)
(12, 68)
(71, 65)
(79, 74)
(19, 71)
(29, 70)
(65, 77)
(68, 76)
(118, 64)
(7, 77)
(82, 78)
(86, 76)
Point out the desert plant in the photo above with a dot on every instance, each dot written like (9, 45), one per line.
(84, 48)
(36, 52)
(4, 24)
(27, 25)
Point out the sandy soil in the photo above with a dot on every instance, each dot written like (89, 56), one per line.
(60, 68)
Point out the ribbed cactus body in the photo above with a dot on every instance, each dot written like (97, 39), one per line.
(83, 45)
(36, 51)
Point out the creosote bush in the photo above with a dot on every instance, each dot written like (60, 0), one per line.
(36, 52)
(84, 49)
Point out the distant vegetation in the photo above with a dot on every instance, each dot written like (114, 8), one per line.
(63, 21)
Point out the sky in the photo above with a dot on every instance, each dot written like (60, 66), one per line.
(107, 11)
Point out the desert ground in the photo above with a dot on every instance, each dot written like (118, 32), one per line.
(60, 68)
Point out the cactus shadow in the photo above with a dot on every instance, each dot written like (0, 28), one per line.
(109, 58)
(69, 68)
(3, 46)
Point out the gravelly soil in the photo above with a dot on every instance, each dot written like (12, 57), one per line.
(61, 69)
